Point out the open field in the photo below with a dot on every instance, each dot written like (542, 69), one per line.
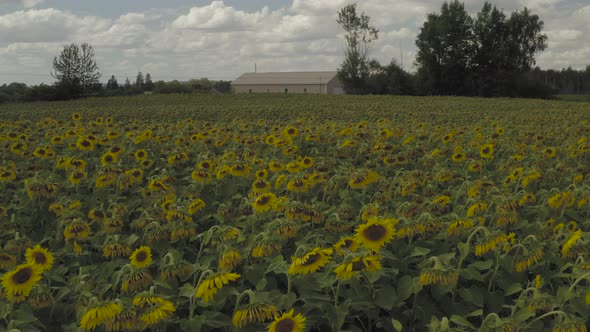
(582, 98)
(359, 213)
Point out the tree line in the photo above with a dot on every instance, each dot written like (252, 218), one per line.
(77, 76)
(490, 55)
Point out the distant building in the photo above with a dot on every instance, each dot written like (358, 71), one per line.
(318, 82)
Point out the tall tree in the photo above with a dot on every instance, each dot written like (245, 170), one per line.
(149, 85)
(75, 70)
(112, 83)
(139, 80)
(487, 56)
(355, 70)
(445, 50)
(127, 83)
(88, 71)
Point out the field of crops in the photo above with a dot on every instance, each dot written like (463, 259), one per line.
(295, 213)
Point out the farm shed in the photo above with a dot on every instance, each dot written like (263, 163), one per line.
(319, 82)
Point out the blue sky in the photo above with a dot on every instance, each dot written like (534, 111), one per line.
(181, 39)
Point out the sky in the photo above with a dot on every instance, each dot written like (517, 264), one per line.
(183, 39)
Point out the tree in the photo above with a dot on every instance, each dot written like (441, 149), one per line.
(112, 83)
(149, 85)
(486, 56)
(445, 50)
(75, 70)
(139, 80)
(390, 79)
(127, 83)
(354, 71)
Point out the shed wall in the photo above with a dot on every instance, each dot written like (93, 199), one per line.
(280, 88)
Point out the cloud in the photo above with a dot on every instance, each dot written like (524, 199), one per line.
(219, 17)
(48, 25)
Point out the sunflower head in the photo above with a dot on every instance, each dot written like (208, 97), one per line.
(40, 257)
(19, 282)
(141, 257)
(288, 323)
(376, 232)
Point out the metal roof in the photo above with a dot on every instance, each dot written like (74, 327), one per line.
(286, 78)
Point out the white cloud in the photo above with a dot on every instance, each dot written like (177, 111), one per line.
(219, 17)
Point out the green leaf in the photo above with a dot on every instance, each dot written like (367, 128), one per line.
(261, 284)
(194, 324)
(405, 288)
(419, 251)
(463, 249)
(187, 291)
(385, 297)
(512, 289)
(483, 265)
(475, 313)
(461, 321)
(397, 325)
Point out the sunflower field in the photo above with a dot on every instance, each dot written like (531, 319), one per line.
(295, 213)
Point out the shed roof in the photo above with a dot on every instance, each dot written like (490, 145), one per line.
(308, 77)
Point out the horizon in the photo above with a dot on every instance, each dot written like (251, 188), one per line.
(183, 40)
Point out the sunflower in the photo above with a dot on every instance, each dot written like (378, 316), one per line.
(140, 155)
(571, 241)
(209, 286)
(288, 323)
(7, 175)
(116, 249)
(77, 229)
(447, 138)
(486, 151)
(202, 176)
(306, 162)
(311, 261)
(40, 257)
(298, 185)
(19, 282)
(438, 276)
(84, 144)
(275, 166)
(347, 270)
(264, 202)
(261, 186)
(196, 205)
(363, 179)
(548, 153)
(561, 200)
(253, 313)
(108, 158)
(100, 315)
(136, 281)
(156, 309)
(477, 209)
(458, 156)
(229, 260)
(345, 244)
(127, 320)
(77, 176)
(239, 170)
(141, 257)
(7, 260)
(525, 261)
(76, 116)
(376, 232)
